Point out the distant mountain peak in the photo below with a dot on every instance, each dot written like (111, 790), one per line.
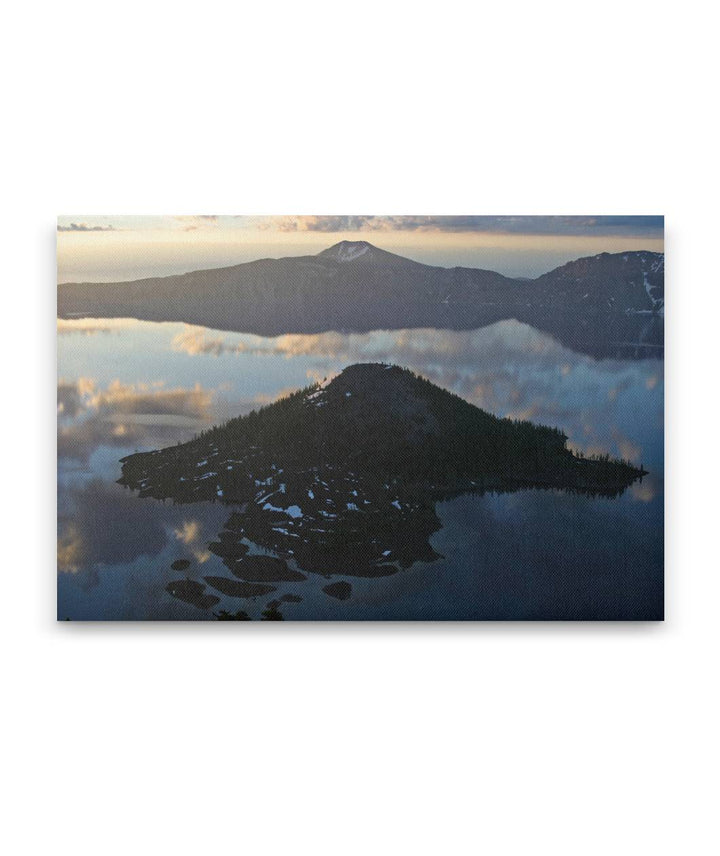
(347, 251)
(586, 304)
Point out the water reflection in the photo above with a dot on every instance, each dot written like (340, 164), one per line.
(145, 386)
(123, 414)
(509, 368)
(520, 555)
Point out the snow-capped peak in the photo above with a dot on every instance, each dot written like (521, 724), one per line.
(346, 251)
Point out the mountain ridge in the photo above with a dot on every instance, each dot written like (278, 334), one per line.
(345, 251)
(356, 286)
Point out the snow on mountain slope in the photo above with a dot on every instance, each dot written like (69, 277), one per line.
(350, 251)
(346, 251)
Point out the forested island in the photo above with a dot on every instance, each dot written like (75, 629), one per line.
(343, 476)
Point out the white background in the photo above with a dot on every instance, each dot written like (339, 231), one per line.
(417, 739)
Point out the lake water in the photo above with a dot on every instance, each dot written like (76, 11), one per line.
(128, 385)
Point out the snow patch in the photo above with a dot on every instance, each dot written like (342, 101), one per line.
(347, 251)
(648, 289)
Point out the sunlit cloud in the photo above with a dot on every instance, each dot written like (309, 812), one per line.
(194, 223)
(83, 227)
(483, 395)
(478, 365)
(188, 532)
(92, 326)
(85, 386)
(645, 490)
(198, 340)
(263, 398)
(88, 329)
(550, 225)
(398, 344)
(615, 391)
(69, 399)
(100, 524)
(522, 225)
(319, 376)
(628, 449)
(124, 415)
(71, 551)
(147, 399)
(111, 249)
(612, 443)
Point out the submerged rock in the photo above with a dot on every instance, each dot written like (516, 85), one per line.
(228, 549)
(192, 592)
(286, 598)
(224, 615)
(340, 590)
(272, 614)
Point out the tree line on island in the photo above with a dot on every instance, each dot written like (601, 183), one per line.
(386, 422)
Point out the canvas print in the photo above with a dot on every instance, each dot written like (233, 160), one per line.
(360, 418)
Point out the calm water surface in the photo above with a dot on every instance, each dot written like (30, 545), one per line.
(127, 385)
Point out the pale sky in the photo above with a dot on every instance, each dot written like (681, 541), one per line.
(113, 248)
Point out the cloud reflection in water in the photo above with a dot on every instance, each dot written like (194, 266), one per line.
(151, 385)
(508, 368)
